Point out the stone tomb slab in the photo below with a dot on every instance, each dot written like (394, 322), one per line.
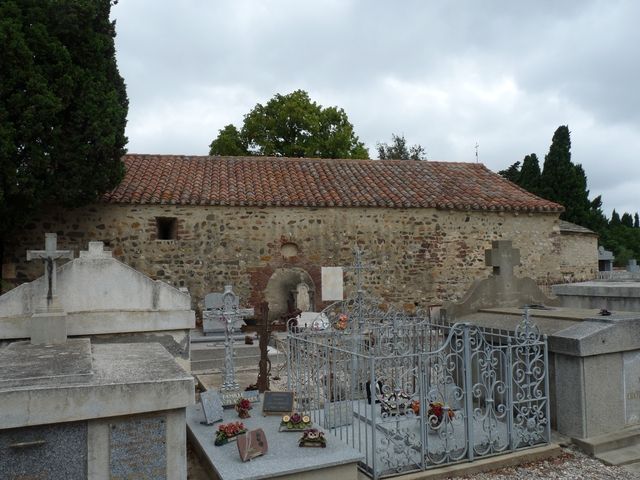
(37, 365)
(284, 458)
(137, 448)
(631, 370)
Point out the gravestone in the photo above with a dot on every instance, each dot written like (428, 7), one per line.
(502, 287)
(73, 409)
(211, 407)
(631, 372)
(633, 266)
(49, 324)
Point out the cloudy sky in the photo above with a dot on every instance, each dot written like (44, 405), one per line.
(446, 74)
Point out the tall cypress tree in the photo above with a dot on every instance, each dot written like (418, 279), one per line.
(63, 106)
(530, 174)
(563, 182)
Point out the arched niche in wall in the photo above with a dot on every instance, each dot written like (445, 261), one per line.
(281, 289)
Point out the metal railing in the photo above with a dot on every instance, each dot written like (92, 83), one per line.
(413, 393)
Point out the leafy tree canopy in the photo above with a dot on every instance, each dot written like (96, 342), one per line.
(291, 126)
(63, 106)
(398, 150)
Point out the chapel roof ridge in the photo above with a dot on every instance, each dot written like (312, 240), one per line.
(317, 182)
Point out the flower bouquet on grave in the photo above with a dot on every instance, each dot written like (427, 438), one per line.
(436, 413)
(294, 423)
(313, 437)
(242, 407)
(228, 432)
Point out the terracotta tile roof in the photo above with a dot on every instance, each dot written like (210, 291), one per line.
(284, 182)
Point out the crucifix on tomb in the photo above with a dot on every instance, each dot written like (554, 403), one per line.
(228, 313)
(48, 324)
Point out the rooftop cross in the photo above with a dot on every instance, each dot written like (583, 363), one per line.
(49, 256)
(502, 257)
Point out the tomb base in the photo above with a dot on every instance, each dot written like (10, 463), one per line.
(48, 328)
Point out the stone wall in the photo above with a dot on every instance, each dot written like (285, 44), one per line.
(419, 256)
(579, 259)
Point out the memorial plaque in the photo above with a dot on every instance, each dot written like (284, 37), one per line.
(137, 449)
(252, 444)
(252, 395)
(277, 403)
(332, 284)
(631, 371)
(44, 452)
(211, 406)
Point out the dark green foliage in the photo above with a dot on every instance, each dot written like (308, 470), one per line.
(398, 150)
(530, 176)
(291, 126)
(63, 106)
(563, 182)
(512, 173)
(228, 142)
(615, 218)
(636, 221)
(627, 220)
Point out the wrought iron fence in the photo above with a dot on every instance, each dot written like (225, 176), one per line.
(413, 393)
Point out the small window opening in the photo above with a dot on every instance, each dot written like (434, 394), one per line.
(166, 228)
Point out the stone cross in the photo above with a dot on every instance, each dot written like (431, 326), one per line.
(503, 258)
(228, 314)
(49, 256)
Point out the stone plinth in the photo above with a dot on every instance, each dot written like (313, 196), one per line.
(113, 396)
(612, 295)
(284, 460)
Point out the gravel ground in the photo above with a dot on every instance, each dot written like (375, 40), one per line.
(571, 465)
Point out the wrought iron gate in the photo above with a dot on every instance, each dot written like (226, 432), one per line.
(412, 394)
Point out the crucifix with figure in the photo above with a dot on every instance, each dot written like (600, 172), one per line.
(48, 324)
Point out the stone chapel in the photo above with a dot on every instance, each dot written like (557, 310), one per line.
(268, 225)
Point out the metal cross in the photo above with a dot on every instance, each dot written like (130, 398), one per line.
(49, 256)
(228, 314)
(502, 257)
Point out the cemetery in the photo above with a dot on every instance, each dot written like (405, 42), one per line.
(95, 375)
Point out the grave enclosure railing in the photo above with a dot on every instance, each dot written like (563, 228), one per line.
(411, 393)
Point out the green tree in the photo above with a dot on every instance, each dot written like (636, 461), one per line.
(636, 221)
(512, 173)
(398, 150)
(615, 218)
(563, 182)
(627, 220)
(292, 126)
(228, 142)
(530, 174)
(63, 107)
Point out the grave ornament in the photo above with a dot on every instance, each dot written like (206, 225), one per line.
(227, 313)
(48, 325)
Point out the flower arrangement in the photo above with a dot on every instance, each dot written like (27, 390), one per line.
(295, 422)
(342, 323)
(228, 431)
(436, 413)
(312, 437)
(242, 407)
